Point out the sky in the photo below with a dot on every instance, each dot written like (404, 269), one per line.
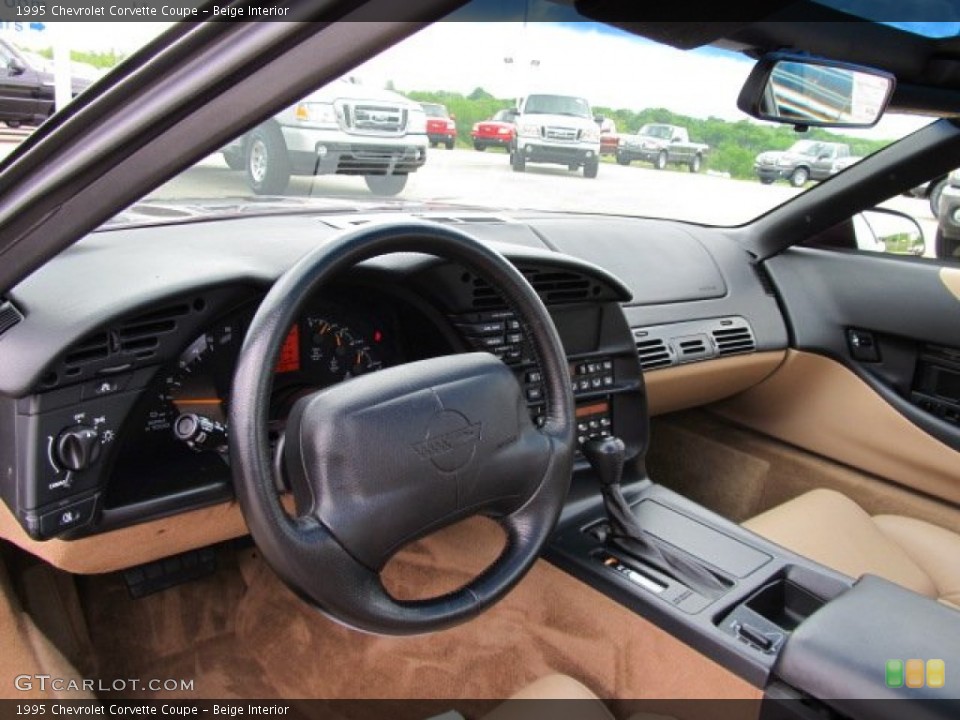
(608, 67)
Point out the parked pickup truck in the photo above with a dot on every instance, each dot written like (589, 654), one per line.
(661, 145)
(557, 129)
(343, 128)
(805, 160)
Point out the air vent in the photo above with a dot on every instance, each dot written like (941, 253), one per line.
(9, 315)
(733, 340)
(141, 336)
(691, 347)
(129, 342)
(686, 342)
(553, 286)
(90, 349)
(466, 219)
(653, 353)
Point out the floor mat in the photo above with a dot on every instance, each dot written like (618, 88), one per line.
(242, 633)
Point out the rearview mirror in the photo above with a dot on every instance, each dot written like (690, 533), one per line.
(806, 91)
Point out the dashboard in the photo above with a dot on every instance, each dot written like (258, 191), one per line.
(113, 412)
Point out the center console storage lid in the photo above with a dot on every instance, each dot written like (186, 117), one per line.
(840, 653)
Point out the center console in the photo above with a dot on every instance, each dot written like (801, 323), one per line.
(761, 595)
(816, 641)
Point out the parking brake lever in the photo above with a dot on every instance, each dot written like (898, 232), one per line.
(606, 456)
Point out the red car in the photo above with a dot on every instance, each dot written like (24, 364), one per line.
(609, 139)
(498, 131)
(440, 126)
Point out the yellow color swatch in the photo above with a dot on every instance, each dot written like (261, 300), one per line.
(936, 673)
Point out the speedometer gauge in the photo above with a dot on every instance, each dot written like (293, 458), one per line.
(199, 380)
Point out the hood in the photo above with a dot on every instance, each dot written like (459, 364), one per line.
(772, 156)
(343, 90)
(561, 120)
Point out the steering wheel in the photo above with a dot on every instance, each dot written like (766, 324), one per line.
(383, 459)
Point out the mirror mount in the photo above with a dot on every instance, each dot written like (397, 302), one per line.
(806, 91)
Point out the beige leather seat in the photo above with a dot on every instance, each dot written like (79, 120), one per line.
(830, 528)
(552, 687)
(559, 687)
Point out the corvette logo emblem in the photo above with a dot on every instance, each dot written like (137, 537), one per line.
(451, 441)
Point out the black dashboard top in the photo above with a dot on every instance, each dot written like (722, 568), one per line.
(125, 272)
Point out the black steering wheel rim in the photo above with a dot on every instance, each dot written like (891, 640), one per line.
(310, 557)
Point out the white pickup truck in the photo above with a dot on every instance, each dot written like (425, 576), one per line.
(344, 128)
(557, 129)
(661, 145)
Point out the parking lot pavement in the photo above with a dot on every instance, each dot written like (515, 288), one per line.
(486, 179)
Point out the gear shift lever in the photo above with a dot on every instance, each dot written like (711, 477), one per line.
(606, 456)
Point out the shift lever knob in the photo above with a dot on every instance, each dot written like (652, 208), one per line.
(606, 457)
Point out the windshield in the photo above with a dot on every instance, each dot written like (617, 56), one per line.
(806, 147)
(437, 111)
(556, 105)
(366, 140)
(664, 132)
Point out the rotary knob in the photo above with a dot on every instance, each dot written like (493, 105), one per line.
(78, 447)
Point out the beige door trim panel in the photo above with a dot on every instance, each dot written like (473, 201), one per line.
(950, 277)
(700, 383)
(818, 404)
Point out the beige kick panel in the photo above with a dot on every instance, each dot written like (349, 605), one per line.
(817, 404)
(134, 545)
(700, 383)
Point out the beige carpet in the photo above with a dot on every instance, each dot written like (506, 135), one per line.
(241, 633)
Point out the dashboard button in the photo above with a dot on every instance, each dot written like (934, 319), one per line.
(67, 518)
(106, 386)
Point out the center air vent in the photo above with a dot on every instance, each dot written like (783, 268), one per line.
(663, 345)
(554, 287)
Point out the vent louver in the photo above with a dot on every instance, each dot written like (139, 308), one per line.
(141, 336)
(92, 348)
(131, 341)
(553, 286)
(733, 340)
(692, 347)
(9, 315)
(653, 354)
(661, 346)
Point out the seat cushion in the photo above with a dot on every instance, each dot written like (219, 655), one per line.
(551, 688)
(934, 549)
(830, 528)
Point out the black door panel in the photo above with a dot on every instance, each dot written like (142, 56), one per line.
(891, 319)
